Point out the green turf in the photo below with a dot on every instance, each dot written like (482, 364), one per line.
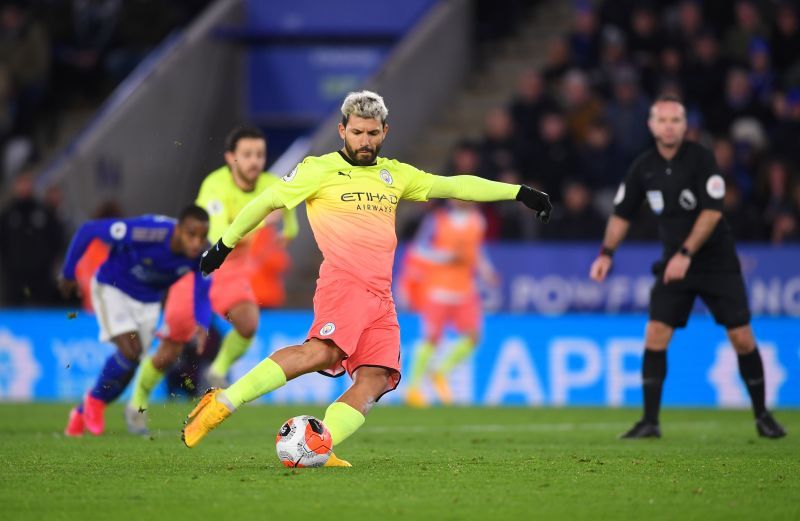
(408, 464)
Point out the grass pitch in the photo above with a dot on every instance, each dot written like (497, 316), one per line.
(448, 463)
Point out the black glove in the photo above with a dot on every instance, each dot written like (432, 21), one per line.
(213, 258)
(537, 201)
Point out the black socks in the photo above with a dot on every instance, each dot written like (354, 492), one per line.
(654, 370)
(752, 370)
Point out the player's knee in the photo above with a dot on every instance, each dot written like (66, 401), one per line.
(247, 328)
(129, 346)
(742, 339)
(657, 335)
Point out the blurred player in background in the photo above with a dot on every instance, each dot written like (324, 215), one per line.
(445, 258)
(147, 254)
(683, 186)
(351, 198)
(223, 194)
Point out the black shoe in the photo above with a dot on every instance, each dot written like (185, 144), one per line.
(642, 429)
(767, 427)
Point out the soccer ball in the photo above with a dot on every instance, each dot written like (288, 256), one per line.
(303, 441)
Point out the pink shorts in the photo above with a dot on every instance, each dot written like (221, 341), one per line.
(362, 324)
(465, 317)
(230, 285)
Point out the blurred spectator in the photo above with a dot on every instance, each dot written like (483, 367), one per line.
(776, 189)
(530, 102)
(688, 24)
(582, 106)
(613, 59)
(762, 77)
(25, 56)
(628, 112)
(556, 61)
(31, 241)
(646, 38)
(555, 155)
(705, 78)
(575, 219)
(785, 37)
(786, 133)
(737, 102)
(748, 25)
(742, 215)
(671, 72)
(585, 39)
(601, 163)
(501, 148)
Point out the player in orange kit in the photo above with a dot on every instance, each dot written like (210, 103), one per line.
(351, 198)
(223, 194)
(448, 255)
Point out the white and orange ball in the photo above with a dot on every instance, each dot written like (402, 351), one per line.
(303, 441)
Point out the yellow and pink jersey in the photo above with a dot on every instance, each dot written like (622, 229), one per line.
(223, 200)
(351, 210)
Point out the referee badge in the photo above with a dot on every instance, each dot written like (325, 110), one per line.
(687, 200)
(656, 200)
(715, 186)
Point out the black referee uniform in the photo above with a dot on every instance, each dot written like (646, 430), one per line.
(677, 190)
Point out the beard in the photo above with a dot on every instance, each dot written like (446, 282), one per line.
(362, 159)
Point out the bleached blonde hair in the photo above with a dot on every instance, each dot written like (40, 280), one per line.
(364, 104)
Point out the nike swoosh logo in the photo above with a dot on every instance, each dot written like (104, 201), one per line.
(348, 175)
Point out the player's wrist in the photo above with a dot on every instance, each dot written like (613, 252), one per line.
(606, 251)
(684, 251)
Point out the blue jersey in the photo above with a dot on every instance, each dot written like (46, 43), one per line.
(140, 263)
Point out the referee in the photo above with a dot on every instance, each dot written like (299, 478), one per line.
(684, 189)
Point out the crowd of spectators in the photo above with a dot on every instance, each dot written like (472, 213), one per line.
(577, 122)
(57, 56)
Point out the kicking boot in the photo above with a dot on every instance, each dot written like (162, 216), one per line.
(333, 461)
(415, 398)
(767, 427)
(443, 389)
(75, 424)
(642, 429)
(204, 418)
(94, 415)
(136, 420)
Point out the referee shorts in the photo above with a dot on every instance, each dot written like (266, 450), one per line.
(723, 293)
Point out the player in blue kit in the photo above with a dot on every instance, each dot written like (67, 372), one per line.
(148, 254)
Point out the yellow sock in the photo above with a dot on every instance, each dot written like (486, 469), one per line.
(463, 348)
(233, 347)
(263, 378)
(146, 381)
(342, 421)
(419, 366)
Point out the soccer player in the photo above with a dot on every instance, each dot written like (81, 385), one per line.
(223, 194)
(685, 190)
(448, 250)
(147, 254)
(351, 197)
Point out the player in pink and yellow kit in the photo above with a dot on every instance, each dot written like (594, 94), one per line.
(446, 256)
(351, 198)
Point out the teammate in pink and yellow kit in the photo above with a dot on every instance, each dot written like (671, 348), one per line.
(351, 198)
(447, 256)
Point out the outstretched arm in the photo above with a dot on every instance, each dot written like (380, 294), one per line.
(473, 188)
